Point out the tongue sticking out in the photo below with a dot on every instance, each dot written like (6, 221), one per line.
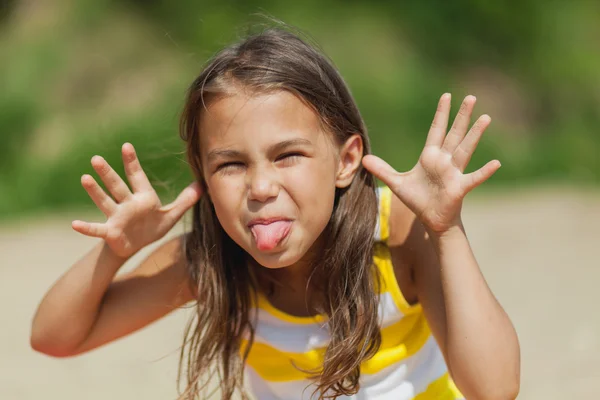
(267, 236)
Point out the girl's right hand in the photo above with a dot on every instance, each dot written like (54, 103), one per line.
(134, 219)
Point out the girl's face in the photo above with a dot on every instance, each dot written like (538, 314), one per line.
(272, 172)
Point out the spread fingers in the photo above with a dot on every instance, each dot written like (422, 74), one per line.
(115, 185)
(136, 175)
(93, 229)
(104, 202)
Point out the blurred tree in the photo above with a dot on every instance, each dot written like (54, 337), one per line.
(96, 73)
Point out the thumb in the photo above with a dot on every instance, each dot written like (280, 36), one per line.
(185, 200)
(381, 169)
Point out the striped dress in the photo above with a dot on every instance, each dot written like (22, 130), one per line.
(408, 365)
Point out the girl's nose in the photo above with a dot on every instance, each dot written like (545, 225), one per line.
(263, 186)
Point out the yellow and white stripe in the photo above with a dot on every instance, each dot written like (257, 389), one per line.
(408, 364)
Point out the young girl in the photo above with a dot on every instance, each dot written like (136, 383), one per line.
(308, 281)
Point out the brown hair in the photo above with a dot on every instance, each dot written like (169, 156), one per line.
(277, 59)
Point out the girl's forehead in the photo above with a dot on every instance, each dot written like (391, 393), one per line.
(240, 117)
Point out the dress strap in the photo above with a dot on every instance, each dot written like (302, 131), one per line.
(382, 230)
(382, 256)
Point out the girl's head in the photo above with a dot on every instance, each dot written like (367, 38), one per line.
(271, 172)
(276, 140)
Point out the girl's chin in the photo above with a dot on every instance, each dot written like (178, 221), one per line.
(275, 260)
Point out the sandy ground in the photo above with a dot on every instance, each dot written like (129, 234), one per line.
(538, 251)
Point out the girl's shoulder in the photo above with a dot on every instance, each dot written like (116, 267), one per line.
(393, 255)
(395, 220)
(382, 229)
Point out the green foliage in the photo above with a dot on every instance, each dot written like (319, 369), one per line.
(532, 64)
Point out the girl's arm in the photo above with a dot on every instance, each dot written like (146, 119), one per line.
(87, 308)
(475, 335)
(479, 341)
(477, 338)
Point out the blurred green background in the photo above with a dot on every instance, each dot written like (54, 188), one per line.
(79, 78)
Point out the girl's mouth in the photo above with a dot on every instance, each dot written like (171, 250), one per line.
(268, 233)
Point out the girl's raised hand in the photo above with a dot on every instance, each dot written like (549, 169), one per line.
(135, 218)
(435, 187)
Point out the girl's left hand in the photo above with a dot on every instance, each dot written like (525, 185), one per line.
(435, 187)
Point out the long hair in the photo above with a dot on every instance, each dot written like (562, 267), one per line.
(277, 59)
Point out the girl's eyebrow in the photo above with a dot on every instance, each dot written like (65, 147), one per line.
(274, 148)
(222, 153)
(277, 147)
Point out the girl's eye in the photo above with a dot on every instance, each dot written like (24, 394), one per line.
(229, 167)
(289, 158)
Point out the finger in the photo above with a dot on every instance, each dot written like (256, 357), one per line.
(382, 170)
(464, 151)
(476, 178)
(186, 199)
(436, 134)
(98, 196)
(92, 229)
(460, 125)
(111, 179)
(136, 175)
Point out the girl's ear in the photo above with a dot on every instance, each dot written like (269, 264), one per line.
(350, 157)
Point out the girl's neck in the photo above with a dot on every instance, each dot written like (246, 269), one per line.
(291, 289)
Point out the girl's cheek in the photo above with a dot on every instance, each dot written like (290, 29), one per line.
(231, 194)
(224, 183)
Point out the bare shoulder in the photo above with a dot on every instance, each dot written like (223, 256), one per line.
(401, 223)
(404, 232)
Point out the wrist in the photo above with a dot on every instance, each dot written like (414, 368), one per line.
(456, 227)
(109, 258)
(450, 241)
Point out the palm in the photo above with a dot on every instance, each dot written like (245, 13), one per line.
(436, 186)
(433, 188)
(138, 223)
(135, 218)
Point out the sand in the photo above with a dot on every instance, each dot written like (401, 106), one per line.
(537, 249)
